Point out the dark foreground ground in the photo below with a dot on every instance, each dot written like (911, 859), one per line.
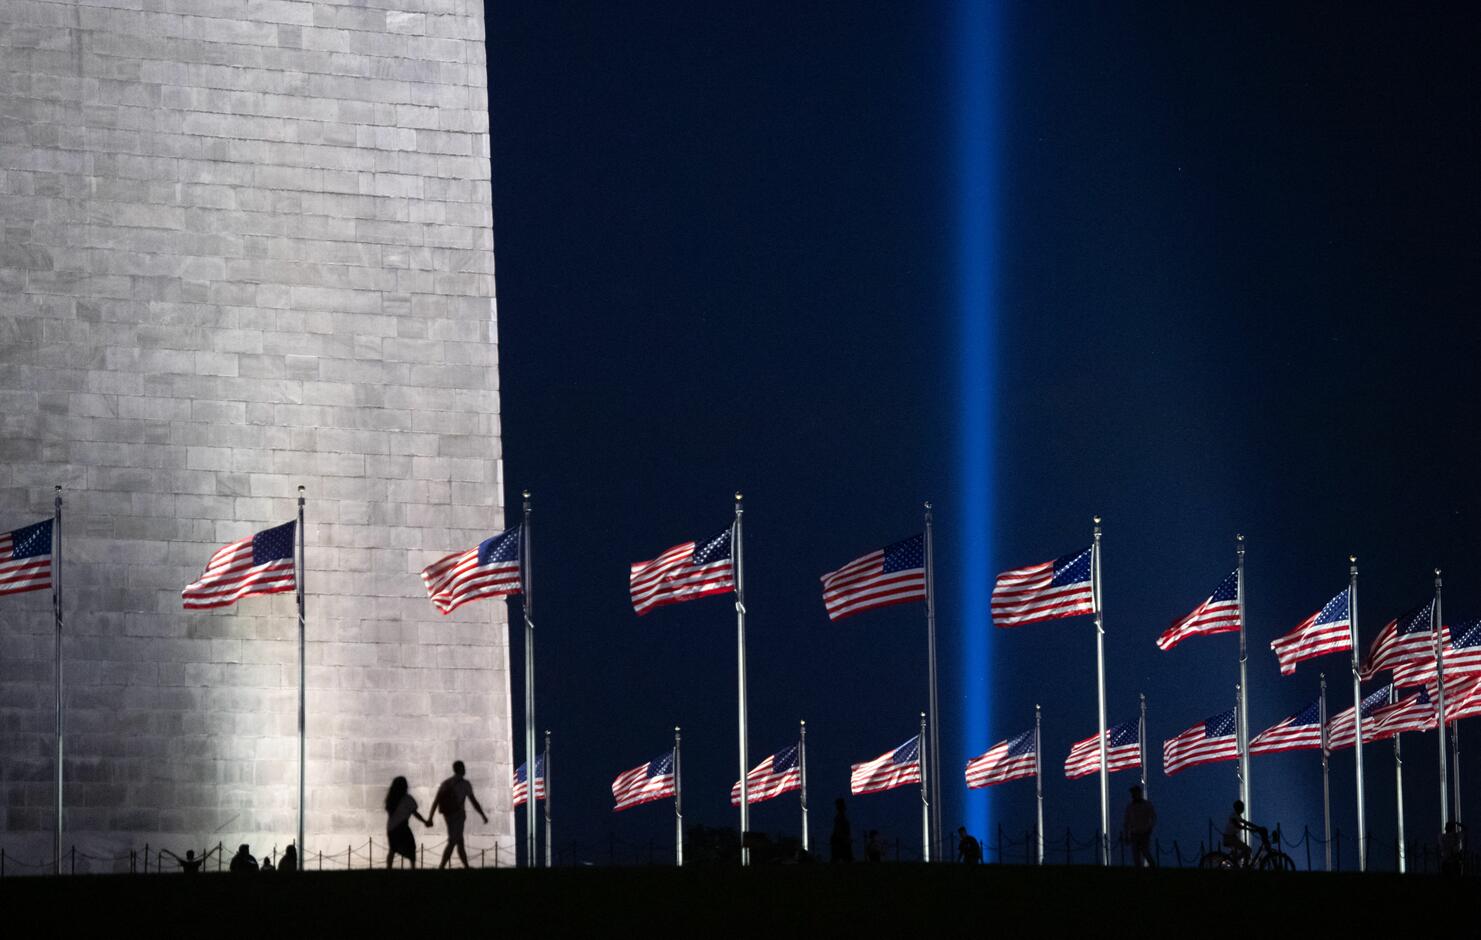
(820, 900)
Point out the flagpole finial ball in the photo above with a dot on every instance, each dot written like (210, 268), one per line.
(1097, 520)
(300, 488)
(738, 496)
(1239, 537)
(1437, 572)
(525, 494)
(1352, 559)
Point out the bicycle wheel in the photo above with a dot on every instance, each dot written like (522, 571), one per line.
(1216, 860)
(1277, 861)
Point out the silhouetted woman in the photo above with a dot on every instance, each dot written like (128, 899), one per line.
(400, 808)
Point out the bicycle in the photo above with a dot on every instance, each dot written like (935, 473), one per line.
(1264, 858)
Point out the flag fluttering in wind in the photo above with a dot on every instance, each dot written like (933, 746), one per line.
(1462, 700)
(1329, 630)
(489, 570)
(521, 781)
(1407, 639)
(257, 564)
(895, 574)
(1013, 759)
(644, 783)
(1340, 728)
(1218, 614)
(1302, 731)
(889, 770)
(1123, 751)
(1413, 712)
(780, 773)
(1063, 587)
(1462, 659)
(683, 573)
(25, 558)
(1211, 740)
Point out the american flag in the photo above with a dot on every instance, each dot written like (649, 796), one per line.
(490, 570)
(1218, 614)
(257, 564)
(1329, 630)
(1123, 751)
(887, 771)
(895, 574)
(521, 783)
(1409, 638)
(1413, 712)
(1340, 732)
(651, 781)
(1211, 740)
(683, 573)
(780, 773)
(1013, 759)
(1462, 700)
(25, 558)
(1462, 658)
(1054, 589)
(1302, 731)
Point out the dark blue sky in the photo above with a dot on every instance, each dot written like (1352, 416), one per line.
(1234, 289)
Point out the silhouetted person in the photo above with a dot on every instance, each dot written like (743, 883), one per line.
(1136, 827)
(400, 808)
(873, 849)
(968, 849)
(450, 798)
(289, 863)
(267, 863)
(243, 863)
(189, 865)
(1452, 849)
(841, 843)
(1233, 844)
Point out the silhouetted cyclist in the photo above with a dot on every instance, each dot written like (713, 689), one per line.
(1236, 825)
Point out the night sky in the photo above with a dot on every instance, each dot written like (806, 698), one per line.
(1224, 279)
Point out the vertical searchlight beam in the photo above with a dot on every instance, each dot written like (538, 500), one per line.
(976, 34)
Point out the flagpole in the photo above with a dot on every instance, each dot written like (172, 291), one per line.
(549, 841)
(1239, 704)
(802, 768)
(1100, 686)
(56, 609)
(679, 804)
(302, 699)
(1398, 784)
(934, 706)
(1039, 781)
(1326, 781)
(528, 588)
(1437, 626)
(925, 793)
(1454, 762)
(737, 554)
(1244, 682)
(1141, 744)
(1357, 708)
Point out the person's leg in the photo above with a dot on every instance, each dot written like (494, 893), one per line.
(390, 859)
(447, 853)
(462, 853)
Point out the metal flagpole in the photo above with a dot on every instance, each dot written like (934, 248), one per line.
(1244, 682)
(740, 678)
(302, 699)
(1039, 781)
(1100, 686)
(1398, 784)
(528, 588)
(1321, 711)
(679, 804)
(925, 792)
(934, 706)
(549, 841)
(1454, 764)
(802, 769)
(1357, 708)
(1141, 744)
(56, 610)
(1437, 621)
(1238, 704)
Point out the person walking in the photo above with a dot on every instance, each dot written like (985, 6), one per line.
(841, 844)
(451, 796)
(1136, 827)
(400, 808)
(968, 849)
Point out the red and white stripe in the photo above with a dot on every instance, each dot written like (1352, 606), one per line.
(1207, 619)
(1084, 757)
(995, 766)
(670, 579)
(1309, 641)
(1340, 733)
(862, 585)
(1194, 747)
(521, 791)
(1391, 651)
(1413, 712)
(18, 575)
(456, 579)
(1458, 665)
(763, 784)
(1027, 595)
(635, 787)
(1462, 700)
(231, 576)
(1286, 736)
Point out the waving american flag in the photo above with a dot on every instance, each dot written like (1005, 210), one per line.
(25, 558)
(645, 783)
(257, 564)
(683, 573)
(1329, 630)
(895, 574)
(1212, 739)
(1404, 640)
(1123, 751)
(521, 781)
(492, 569)
(1413, 712)
(889, 770)
(1013, 759)
(780, 773)
(1340, 727)
(1301, 731)
(1060, 588)
(1218, 614)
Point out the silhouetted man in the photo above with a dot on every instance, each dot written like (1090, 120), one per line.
(289, 862)
(1136, 827)
(841, 844)
(968, 849)
(243, 863)
(450, 798)
(189, 865)
(1233, 841)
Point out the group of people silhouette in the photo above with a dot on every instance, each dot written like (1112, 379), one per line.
(401, 809)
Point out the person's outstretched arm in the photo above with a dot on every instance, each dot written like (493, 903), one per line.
(474, 800)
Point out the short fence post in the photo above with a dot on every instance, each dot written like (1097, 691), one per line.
(1306, 837)
(321, 860)
(424, 855)
(74, 859)
(496, 855)
(482, 856)
(1068, 859)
